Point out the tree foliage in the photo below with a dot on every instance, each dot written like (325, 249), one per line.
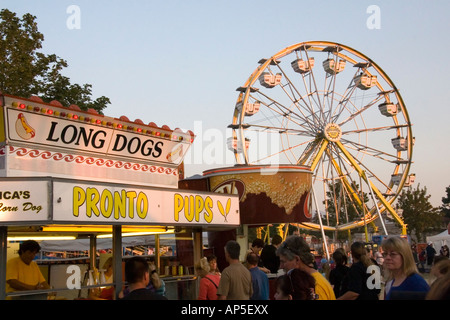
(445, 208)
(446, 203)
(341, 207)
(418, 213)
(24, 71)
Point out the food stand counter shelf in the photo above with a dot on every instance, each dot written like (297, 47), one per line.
(181, 287)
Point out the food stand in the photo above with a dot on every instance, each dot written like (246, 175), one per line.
(69, 172)
(267, 195)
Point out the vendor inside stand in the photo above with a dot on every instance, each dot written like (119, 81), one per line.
(22, 273)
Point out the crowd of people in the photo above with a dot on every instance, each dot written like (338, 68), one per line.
(361, 275)
(357, 276)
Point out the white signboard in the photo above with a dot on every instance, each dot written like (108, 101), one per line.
(54, 132)
(22, 201)
(120, 204)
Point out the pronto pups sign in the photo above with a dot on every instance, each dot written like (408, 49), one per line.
(50, 132)
(121, 204)
(56, 200)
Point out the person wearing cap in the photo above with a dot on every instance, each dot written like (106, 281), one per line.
(22, 273)
(294, 252)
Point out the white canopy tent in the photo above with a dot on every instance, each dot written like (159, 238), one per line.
(439, 240)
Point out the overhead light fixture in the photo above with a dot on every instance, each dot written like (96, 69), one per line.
(102, 229)
(40, 238)
(135, 234)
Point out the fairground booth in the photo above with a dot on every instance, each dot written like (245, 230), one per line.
(70, 174)
(268, 195)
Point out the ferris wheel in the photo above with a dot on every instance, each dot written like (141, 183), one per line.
(328, 107)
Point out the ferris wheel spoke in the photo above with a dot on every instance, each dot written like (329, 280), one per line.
(351, 89)
(361, 172)
(345, 178)
(276, 154)
(277, 114)
(309, 91)
(375, 129)
(334, 182)
(294, 91)
(276, 129)
(341, 105)
(330, 89)
(316, 89)
(346, 183)
(318, 155)
(372, 174)
(353, 115)
(372, 151)
(285, 111)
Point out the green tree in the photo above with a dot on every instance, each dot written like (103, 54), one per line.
(418, 213)
(24, 71)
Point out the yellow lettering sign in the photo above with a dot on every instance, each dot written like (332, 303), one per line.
(92, 199)
(208, 208)
(142, 205)
(106, 203)
(79, 196)
(194, 207)
(178, 206)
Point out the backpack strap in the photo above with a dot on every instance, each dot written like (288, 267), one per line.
(212, 281)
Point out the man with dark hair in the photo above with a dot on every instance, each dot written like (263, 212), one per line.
(260, 282)
(236, 280)
(257, 246)
(137, 274)
(270, 260)
(22, 273)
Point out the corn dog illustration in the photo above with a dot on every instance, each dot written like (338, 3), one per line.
(225, 211)
(23, 129)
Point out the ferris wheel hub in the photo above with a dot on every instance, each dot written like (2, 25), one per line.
(333, 132)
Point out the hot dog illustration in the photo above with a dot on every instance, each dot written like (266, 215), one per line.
(176, 153)
(23, 129)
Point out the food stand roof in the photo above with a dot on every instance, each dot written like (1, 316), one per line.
(64, 166)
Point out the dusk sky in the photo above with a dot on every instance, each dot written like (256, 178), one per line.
(179, 62)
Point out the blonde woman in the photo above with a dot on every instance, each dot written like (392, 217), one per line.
(403, 280)
(209, 281)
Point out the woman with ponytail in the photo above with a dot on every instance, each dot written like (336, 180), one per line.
(209, 280)
(358, 286)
